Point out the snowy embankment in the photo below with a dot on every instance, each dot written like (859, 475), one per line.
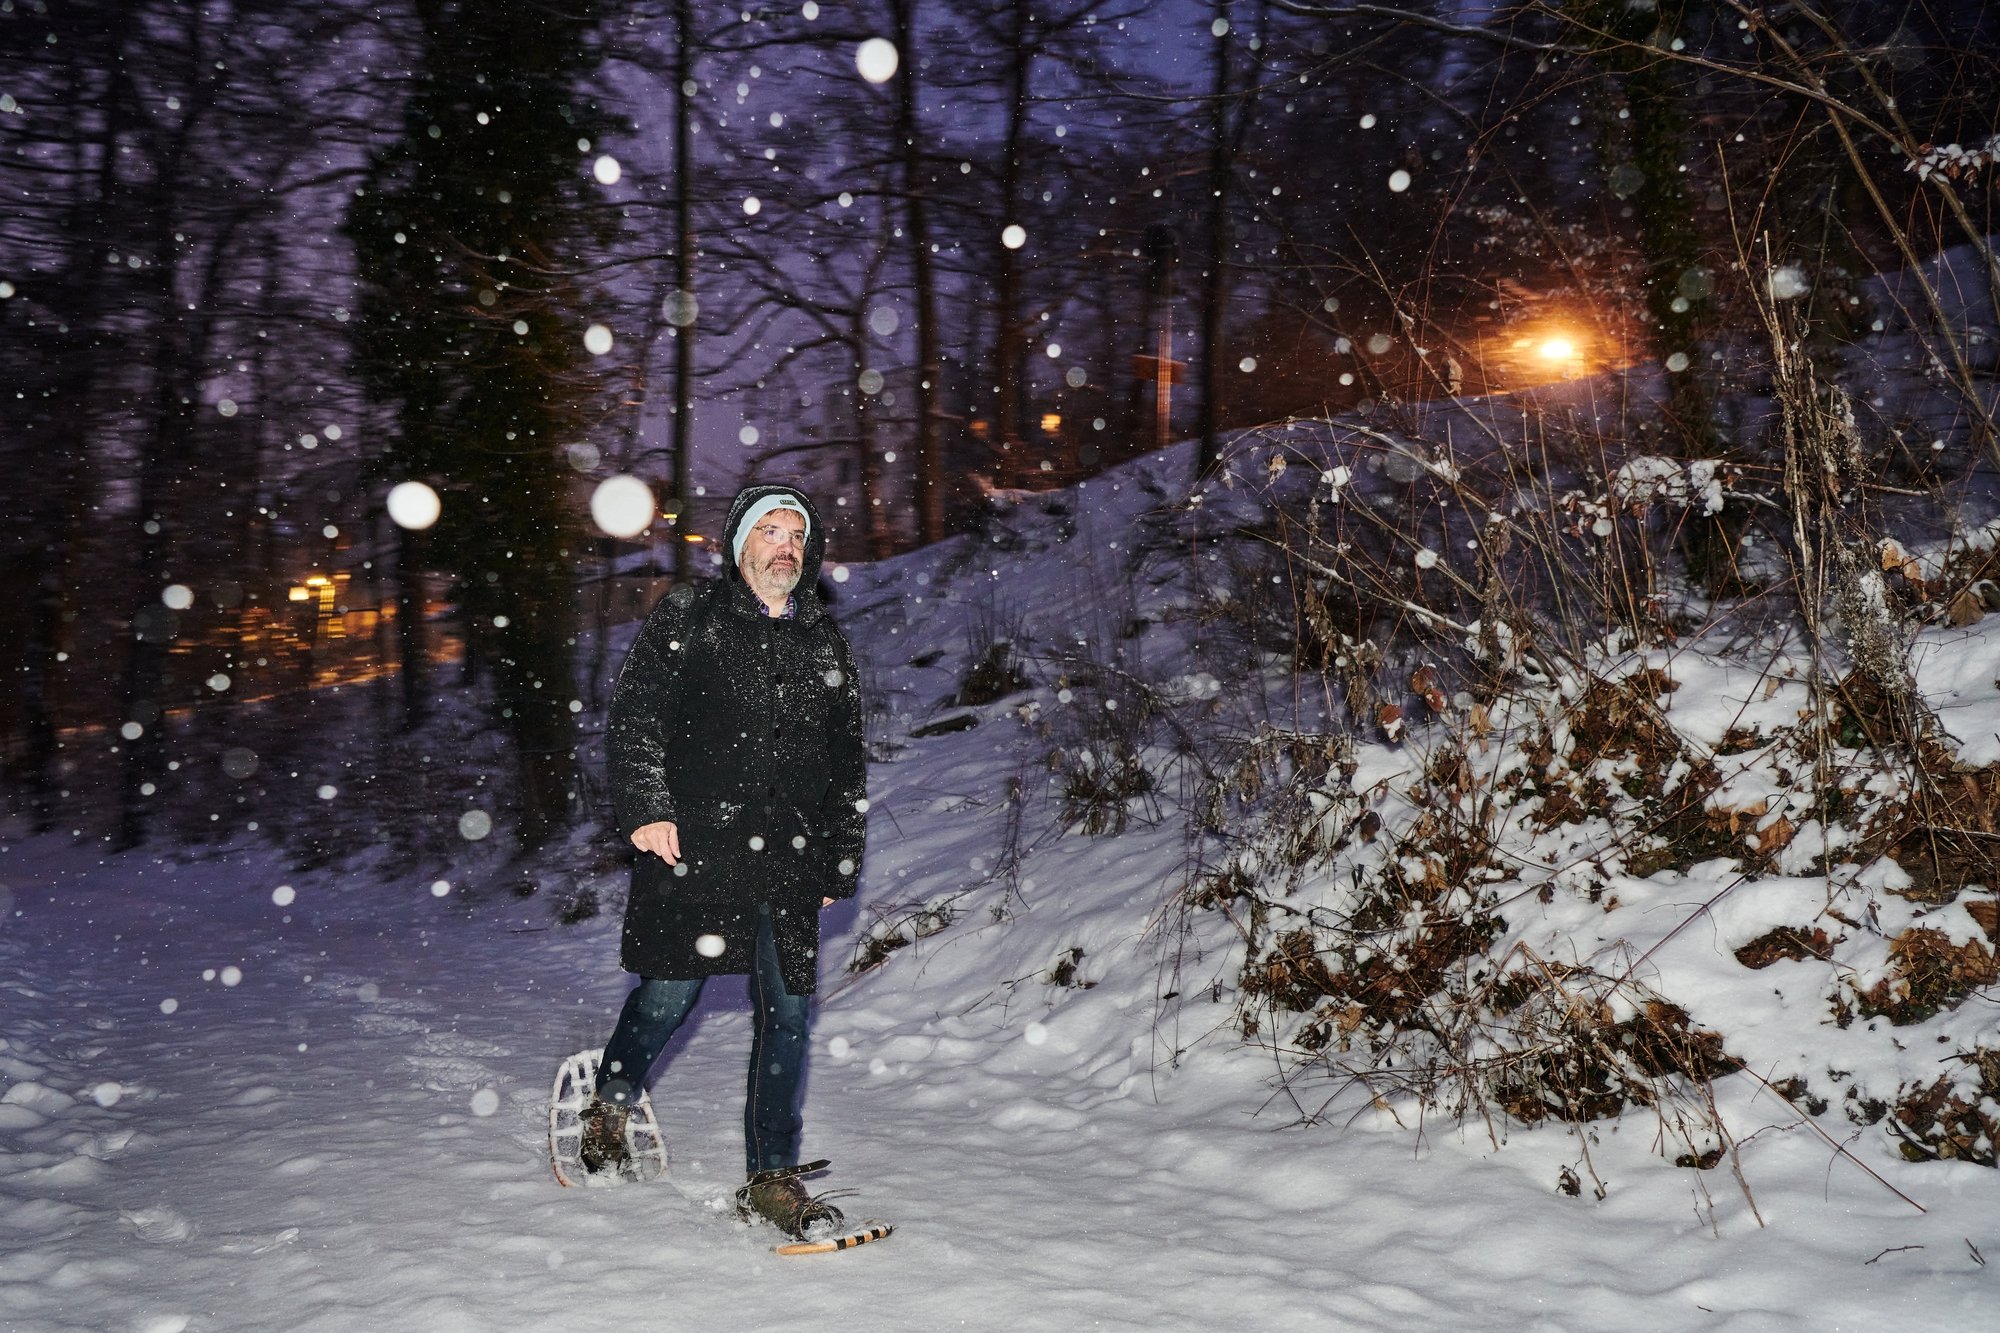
(236, 1097)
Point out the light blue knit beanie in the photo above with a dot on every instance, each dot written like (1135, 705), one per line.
(768, 504)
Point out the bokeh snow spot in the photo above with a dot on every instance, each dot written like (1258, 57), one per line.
(709, 946)
(877, 59)
(439, 888)
(107, 1093)
(1035, 1034)
(1013, 236)
(327, 791)
(622, 506)
(1788, 283)
(167, 1006)
(597, 340)
(283, 895)
(413, 506)
(474, 825)
(231, 975)
(607, 170)
(177, 596)
(485, 1102)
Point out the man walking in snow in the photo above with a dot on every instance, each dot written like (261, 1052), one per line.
(737, 770)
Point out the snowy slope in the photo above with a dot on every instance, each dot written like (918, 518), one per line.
(232, 1097)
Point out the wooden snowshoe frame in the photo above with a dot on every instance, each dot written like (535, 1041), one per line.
(576, 1083)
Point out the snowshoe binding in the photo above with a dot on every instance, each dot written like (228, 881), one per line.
(815, 1226)
(603, 1147)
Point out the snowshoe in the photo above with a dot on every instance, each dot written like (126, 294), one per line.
(639, 1153)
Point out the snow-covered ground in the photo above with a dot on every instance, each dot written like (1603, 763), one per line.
(237, 1097)
(351, 1136)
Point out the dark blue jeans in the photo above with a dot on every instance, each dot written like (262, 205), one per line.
(655, 1010)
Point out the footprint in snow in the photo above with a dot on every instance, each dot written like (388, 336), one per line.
(159, 1225)
(285, 1237)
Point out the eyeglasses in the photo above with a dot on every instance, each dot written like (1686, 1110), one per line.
(777, 536)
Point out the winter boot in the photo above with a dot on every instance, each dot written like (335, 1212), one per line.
(779, 1198)
(603, 1147)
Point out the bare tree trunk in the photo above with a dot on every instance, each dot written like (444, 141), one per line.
(181, 349)
(1008, 333)
(928, 464)
(410, 630)
(881, 538)
(686, 312)
(163, 458)
(61, 501)
(1214, 288)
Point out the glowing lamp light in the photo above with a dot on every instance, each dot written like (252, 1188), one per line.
(299, 593)
(1051, 422)
(1557, 349)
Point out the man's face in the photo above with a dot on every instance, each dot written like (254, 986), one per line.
(773, 554)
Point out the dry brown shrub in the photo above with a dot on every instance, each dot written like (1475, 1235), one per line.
(1291, 976)
(1588, 1067)
(1952, 1117)
(1793, 943)
(1929, 973)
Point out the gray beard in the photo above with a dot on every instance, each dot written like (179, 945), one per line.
(771, 584)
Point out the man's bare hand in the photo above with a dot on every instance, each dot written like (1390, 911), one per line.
(825, 903)
(662, 838)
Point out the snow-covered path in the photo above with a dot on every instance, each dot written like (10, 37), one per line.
(350, 1136)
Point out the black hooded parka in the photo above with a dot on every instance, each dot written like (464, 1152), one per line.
(745, 731)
